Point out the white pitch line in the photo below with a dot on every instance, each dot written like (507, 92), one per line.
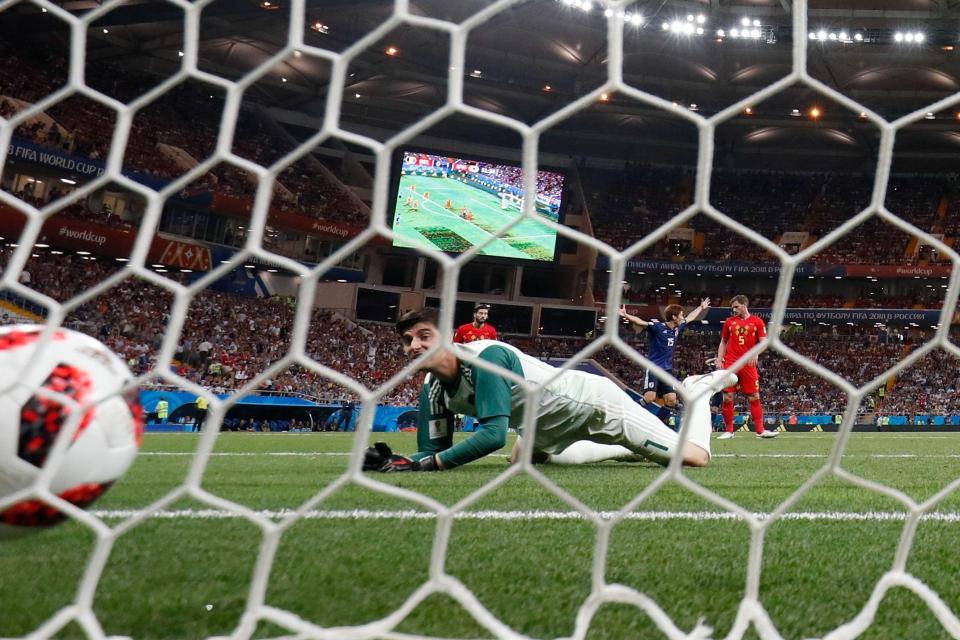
(846, 455)
(249, 454)
(318, 454)
(906, 436)
(365, 514)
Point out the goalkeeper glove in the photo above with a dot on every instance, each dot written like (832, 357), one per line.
(376, 456)
(402, 463)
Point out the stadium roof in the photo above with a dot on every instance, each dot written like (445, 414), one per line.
(532, 59)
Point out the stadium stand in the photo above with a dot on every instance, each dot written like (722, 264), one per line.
(624, 205)
(770, 203)
(81, 127)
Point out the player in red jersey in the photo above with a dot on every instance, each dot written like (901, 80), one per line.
(478, 329)
(741, 332)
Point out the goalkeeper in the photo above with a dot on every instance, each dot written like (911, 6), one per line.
(581, 417)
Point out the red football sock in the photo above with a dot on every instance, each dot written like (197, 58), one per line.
(727, 409)
(756, 413)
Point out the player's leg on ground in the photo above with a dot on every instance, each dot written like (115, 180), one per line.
(585, 451)
(648, 436)
(617, 423)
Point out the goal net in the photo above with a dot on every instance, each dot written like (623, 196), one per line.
(546, 552)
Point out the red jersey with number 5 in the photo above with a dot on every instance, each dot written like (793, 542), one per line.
(741, 335)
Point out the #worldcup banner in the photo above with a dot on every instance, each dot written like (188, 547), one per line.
(101, 240)
(238, 207)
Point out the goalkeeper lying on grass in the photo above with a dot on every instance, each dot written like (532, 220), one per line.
(581, 417)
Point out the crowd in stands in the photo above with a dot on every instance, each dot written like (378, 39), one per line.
(626, 208)
(930, 386)
(769, 203)
(624, 205)
(82, 211)
(549, 184)
(84, 127)
(869, 297)
(227, 340)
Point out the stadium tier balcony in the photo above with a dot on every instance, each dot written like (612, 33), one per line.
(89, 127)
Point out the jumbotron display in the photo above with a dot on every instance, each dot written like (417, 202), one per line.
(453, 204)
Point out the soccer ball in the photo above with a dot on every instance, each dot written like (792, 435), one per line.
(105, 441)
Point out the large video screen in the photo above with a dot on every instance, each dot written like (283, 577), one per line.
(453, 203)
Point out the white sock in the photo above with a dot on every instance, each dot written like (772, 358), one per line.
(700, 419)
(585, 451)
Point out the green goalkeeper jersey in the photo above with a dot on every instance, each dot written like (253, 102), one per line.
(567, 407)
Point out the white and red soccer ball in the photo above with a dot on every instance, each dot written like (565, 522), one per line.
(105, 442)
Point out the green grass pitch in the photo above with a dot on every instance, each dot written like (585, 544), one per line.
(530, 568)
(434, 226)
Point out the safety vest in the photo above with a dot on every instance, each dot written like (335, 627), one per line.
(202, 403)
(162, 409)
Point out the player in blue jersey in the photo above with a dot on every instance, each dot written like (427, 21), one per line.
(663, 340)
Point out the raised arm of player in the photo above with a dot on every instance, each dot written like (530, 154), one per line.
(704, 305)
(634, 320)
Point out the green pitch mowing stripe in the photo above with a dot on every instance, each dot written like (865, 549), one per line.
(434, 225)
